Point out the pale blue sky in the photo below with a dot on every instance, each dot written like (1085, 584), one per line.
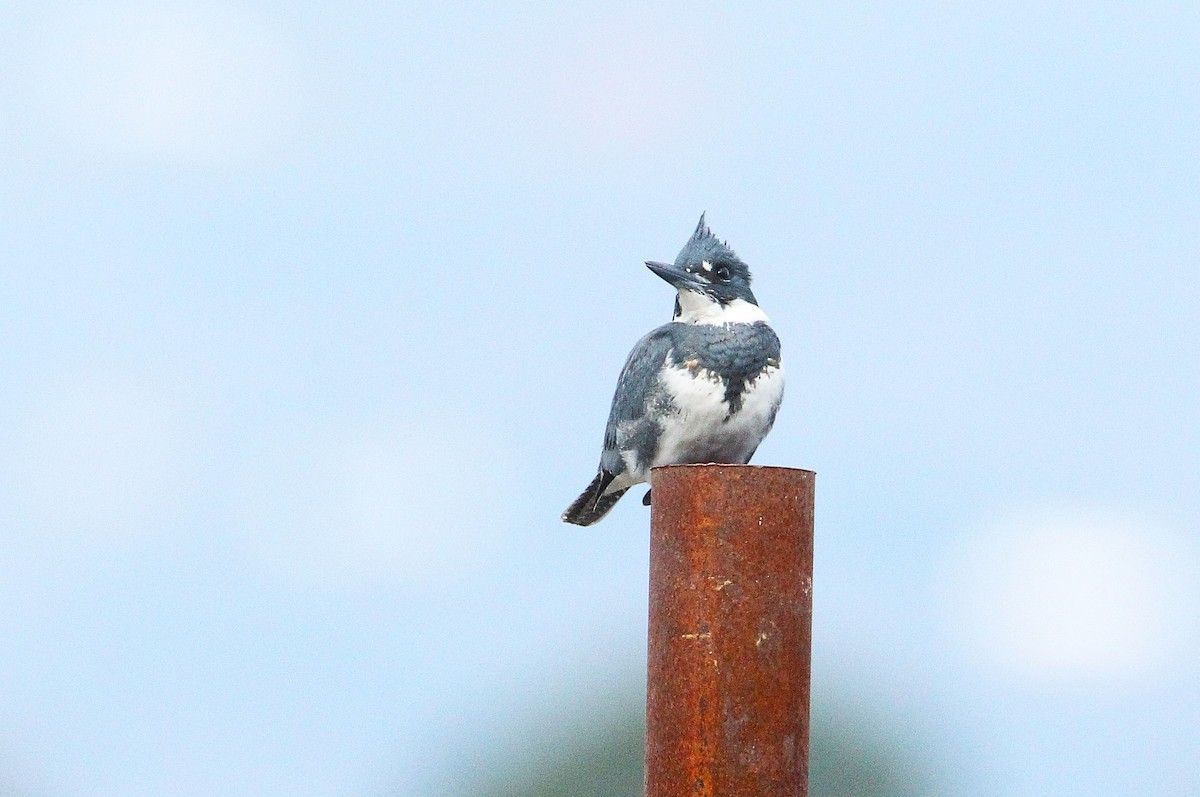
(311, 317)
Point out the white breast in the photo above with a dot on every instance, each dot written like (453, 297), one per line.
(701, 430)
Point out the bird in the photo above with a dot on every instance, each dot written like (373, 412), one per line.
(705, 387)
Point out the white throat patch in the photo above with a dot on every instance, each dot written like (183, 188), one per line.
(696, 308)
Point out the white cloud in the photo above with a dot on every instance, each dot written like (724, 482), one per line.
(95, 454)
(407, 500)
(175, 82)
(1075, 593)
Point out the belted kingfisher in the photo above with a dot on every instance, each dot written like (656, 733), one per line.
(703, 388)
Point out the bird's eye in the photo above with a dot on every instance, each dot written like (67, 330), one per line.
(722, 273)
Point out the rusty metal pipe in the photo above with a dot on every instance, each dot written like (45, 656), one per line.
(730, 642)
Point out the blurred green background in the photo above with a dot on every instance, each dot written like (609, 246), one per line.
(851, 755)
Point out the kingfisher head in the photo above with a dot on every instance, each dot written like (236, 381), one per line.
(708, 275)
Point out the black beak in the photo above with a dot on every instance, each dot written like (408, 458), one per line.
(679, 277)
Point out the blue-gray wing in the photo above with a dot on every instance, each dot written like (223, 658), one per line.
(639, 391)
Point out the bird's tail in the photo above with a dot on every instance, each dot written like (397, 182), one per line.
(593, 504)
